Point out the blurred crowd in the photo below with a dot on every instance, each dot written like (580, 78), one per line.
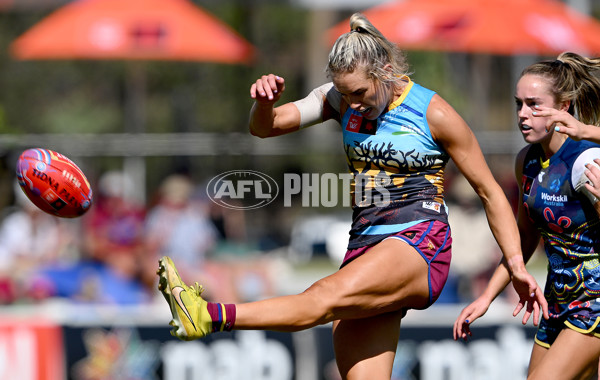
(110, 254)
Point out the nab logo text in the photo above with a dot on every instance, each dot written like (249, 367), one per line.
(242, 189)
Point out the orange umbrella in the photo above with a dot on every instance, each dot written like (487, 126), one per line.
(132, 29)
(505, 27)
(173, 30)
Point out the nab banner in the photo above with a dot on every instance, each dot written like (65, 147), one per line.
(149, 353)
(424, 353)
(36, 350)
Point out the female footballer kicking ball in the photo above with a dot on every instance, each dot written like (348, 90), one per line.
(559, 190)
(398, 137)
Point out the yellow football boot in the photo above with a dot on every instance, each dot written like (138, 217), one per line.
(191, 319)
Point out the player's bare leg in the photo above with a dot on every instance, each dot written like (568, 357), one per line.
(365, 348)
(558, 362)
(389, 277)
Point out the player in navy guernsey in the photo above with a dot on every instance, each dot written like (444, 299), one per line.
(559, 182)
(398, 137)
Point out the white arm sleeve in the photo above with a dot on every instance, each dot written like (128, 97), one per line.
(578, 177)
(311, 107)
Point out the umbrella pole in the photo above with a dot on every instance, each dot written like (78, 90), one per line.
(480, 87)
(134, 166)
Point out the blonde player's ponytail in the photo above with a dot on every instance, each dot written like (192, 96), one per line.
(365, 46)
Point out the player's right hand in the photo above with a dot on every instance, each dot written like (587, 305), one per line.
(267, 89)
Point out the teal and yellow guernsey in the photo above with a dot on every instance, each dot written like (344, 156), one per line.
(397, 167)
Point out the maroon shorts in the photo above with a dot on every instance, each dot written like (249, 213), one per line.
(433, 242)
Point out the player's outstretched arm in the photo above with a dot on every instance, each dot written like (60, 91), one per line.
(512, 267)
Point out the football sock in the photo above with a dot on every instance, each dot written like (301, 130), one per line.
(222, 315)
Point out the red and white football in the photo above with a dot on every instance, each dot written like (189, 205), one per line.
(54, 183)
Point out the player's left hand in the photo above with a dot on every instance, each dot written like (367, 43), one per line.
(593, 174)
